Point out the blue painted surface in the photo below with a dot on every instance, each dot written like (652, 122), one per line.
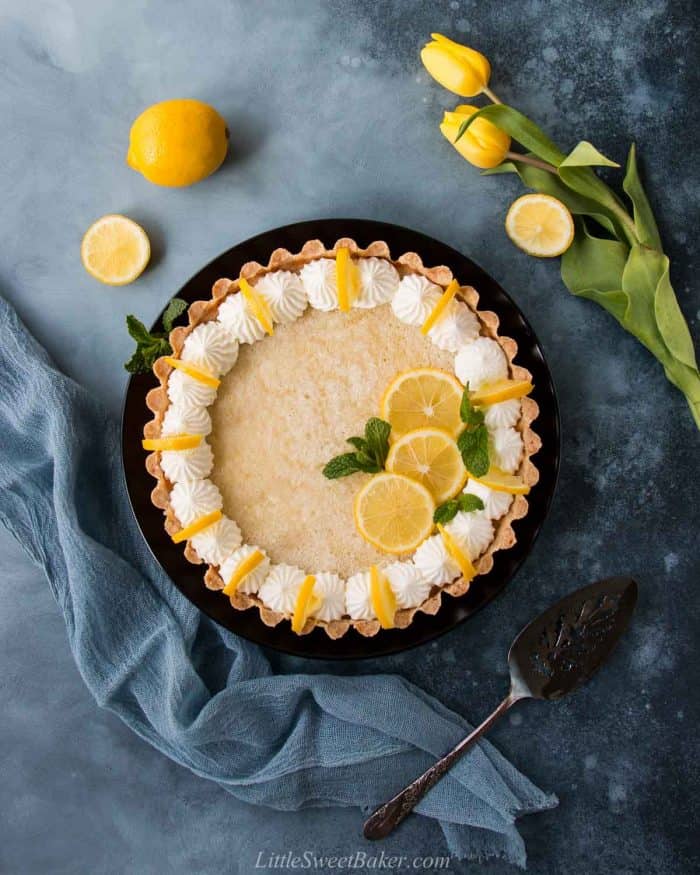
(331, 114)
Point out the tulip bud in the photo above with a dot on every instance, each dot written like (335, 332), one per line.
(457, 68)
(482, 144)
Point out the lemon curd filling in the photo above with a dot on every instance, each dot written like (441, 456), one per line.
(344, 346)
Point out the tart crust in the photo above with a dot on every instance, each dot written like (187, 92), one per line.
(281, 259)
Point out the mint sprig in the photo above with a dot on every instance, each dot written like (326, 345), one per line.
(465, 502)
(152, 345)
(473, 442)
(370, 452)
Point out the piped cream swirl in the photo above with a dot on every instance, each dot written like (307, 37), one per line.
(358, 602)
(379, 281)
(434, 562)
(480, 363)
(284, 292)
(194, 464)
(330, 589)
(185, 391)
(456, 327)
(252, 582)
(216, 542)
(211, 347)
(191, 499)
(415, 299)
(281, 588)
(238, 320)
(407, 583)
(319, 279)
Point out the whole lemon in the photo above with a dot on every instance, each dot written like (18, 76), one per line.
(177, 142)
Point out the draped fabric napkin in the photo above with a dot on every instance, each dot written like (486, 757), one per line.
(204, 697)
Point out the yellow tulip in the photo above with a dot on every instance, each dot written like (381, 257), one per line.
(457, 68)
(482, 144)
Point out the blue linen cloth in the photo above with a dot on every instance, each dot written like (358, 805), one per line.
(196, 692)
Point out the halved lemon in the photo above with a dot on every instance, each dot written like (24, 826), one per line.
(258, 305)
(173, 442)
(540, 225)
(424, 397)
(439, 309)
(382, 597)
(394, 513)
(115, 250)
(499, 481)
(430, 456)
(503, 390)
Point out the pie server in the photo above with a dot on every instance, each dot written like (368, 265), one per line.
(553, 655)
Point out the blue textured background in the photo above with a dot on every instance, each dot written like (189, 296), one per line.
(332, 114)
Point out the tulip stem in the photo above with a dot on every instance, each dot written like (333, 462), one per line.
(491, 96)
(528, 159)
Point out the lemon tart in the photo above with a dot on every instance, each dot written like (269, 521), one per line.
(282, 365)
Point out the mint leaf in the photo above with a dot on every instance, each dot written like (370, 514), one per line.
(138, 330)
(174, 309)
(377, 436)
(367, 463)
(469, 414)
(358, 442)
(445, 512)
(341, 466)
(473, 445)
(149, 347)
(468, 502)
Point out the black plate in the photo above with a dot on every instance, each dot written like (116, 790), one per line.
(188, 578)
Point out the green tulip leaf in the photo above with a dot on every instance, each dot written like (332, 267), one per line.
(585, 154)
(520, 128)
(672, 325)
(592, 268)
(644, 220)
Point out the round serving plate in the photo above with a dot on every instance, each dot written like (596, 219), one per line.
(188, 578)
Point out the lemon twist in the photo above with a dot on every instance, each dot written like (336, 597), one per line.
(197, 526)
(382, 598)
(307, 602)
(172, 442)
(440, 308)
(193, 371)
(455, 551)
(249, 564)
(258, 305)
(347, 279)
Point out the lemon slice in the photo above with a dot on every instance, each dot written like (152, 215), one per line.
(425, 397)
(174, 442)
(503, 390)
(258, 305)
(250, 563)
(193, 371)
(394, 513)
(306, 603)
(430, 456)
(382, 597)
(499, 481)
(456, 552)
(540, 225)
(347, 279)
(115, 250)
(197, 526)
(439, 309)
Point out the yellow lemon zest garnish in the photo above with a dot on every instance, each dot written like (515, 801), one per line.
(394, 513)
(503, 390)
(423, 397)
(440, 308)
(197, 526)
(258, 304)
(430, 456)
(250, 563)
(347, 279)
(193, 371)
(306, 602)
(382, 598)
(172, 442)
(499, 481)
(455, 551)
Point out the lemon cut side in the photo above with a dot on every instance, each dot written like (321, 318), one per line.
(394, 513)
(115, 250)
(540, 225)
